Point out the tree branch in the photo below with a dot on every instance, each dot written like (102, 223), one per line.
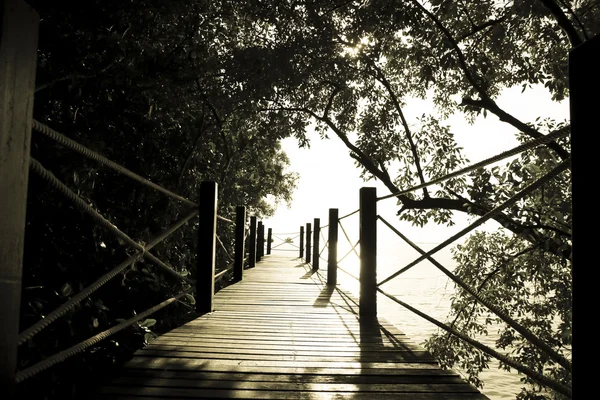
(491, 106)
(563, 22)
(379, 75)
(486, 101)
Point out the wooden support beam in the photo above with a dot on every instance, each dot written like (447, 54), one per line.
(269, 240)
(316, 233)
(240, 251)
(252, 243)
(301, 241)
(332, 247)
(260, 240)
(18, 50)
(368, 252)
(207, 241)
(308, 243)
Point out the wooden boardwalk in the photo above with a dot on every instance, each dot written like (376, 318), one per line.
(282, 334)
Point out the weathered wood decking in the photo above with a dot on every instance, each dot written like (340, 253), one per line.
(282, 334)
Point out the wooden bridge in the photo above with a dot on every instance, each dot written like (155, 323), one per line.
(282, 330)
(283, 333)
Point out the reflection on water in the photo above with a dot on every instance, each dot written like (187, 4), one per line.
(429, 290)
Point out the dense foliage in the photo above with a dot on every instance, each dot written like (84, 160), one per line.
(352, 66)
(181, 91)
(140, 83)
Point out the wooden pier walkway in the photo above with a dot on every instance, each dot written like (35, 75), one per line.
(281, 333)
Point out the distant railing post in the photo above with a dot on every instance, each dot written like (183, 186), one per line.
(368, 252)
(308, 245)
(252, 243)
(240, 251)
(316, 233)
(260, 241)
(332, 247)
(269, 238)
(301, 241)
(18, 51)
(205, 282)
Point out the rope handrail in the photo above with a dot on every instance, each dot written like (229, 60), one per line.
(85, 293)
(286, 233)
(499, 157)
(349, 273)
(559, 387)
(81, 204)
(224, 219)
(324, 247)
(348, 215)
(490, 214)
(73, 145)
(526, 333)
(65, 354)
(349, 251)
(223, 247)
(220, 275)
(348, 239)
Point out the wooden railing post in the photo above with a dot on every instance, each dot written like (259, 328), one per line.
(252, 243)
(207, 231)
(332, 247)
(301, 241)
(368, 252)
(240, 251)
(316, 233)
(18, 50)
(269, 239)
(308, 245)
(260, 240)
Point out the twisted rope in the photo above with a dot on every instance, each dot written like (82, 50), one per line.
(509, 153)
(78, 348)
(526, 333)
(346, 272)
(220, 275)
(349, 251)
(347, 215)
(73, 145)
(81, 204)
(223, 247)
(348, 239)
(540, 378)
(85, 293)
(224, 219)
(564, 165)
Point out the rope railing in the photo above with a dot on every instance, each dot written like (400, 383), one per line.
(542, 379)
(348, 273)
(219, 217)
(526, 333)
(222, 273)
(223, 247)
(368, 305)
(85, 293)
(348, 239)
(78, 348)
(73, 145)
(501, 156)
(81, 204)
(350, 251)
(490, 214)
(348, 215)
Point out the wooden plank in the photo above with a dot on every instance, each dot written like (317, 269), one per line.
(277, 338)
(408, 377)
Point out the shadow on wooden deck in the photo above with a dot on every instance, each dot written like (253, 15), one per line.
(282, 334)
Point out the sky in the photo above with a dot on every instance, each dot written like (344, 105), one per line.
(328, 177)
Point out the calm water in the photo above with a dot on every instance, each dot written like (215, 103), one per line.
(427, 289)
